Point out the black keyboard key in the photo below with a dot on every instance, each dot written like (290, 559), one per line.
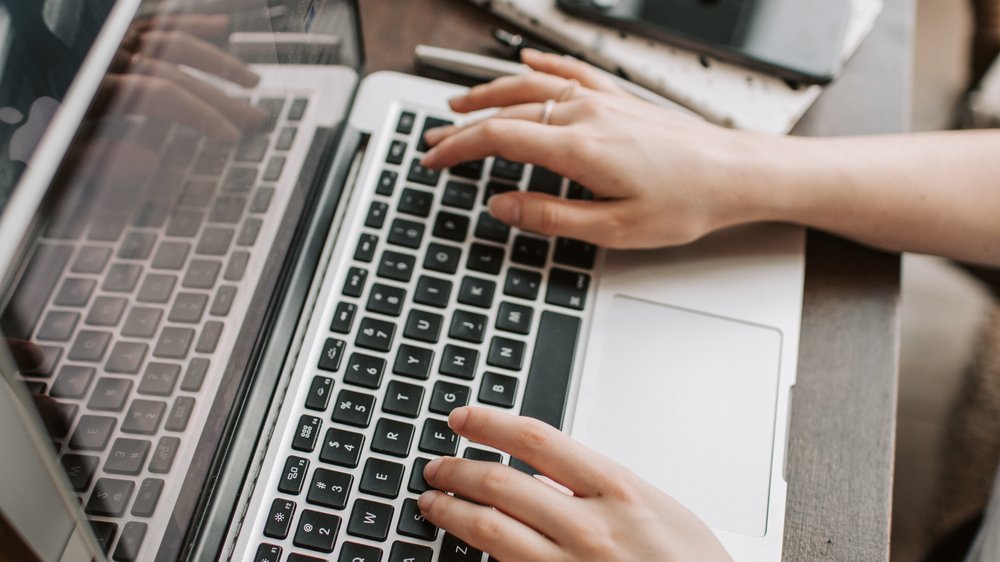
(248, 237)
(343, 317)
(215, 241)
(577, 191)
(459, 362)
(514, 318)
(392, 438)
(414, 362)
(406, 233)
(188, 308)
(293, 475)
(403, 399)
(297, 109)
(364, 370)
(476, 292)
(237, 266)
(91, 259)
(306, 433)
(92, 433)
(386, 299)
(545, 181)
(485, 258)
(507, 170)
(227, 209)
(522, 283)
(475, 454)
(567, 288)
(396, 266)
(105, 533)
(174, 343)
(396, 151)
(239, 179)
(530, 251)
(417, 483)
(423, 176)
(50, 356)
(437, 438)
(489, 228)
(548, 377)
(354, 552)
(386, 183)
(279, 519)
(381, 478)
(75, 292)
(460, 195)
(194, 377)
(342, 447)
(136, 246)
(106, 311)
(80, 469)
(29, 299)
(451, 226)
(370, 520)
(375, 334)
(415, 202)
(268, 553)
(329, 488)
(447, 396)
(432, 291)
(157, 288)
(122, 278)
(353, 408)
(286, 138)
(365, 251)
(142, 322)
(110, 497)
(185, 224)
(406, 552)
(354, 285)
(89, 345)
(73, 381)
(159, 379)
(413, 524)
(332, 354)
(467, 326)
(454, 550)
(273, 108)
(471, 170)
(575, 253)
(406, 122)
(496, 188)
(110, 394)
(126, 357)
(164, 455)
(430, 123)
(127, 456)
(423, 326)
(130, 542)
(58, 424)
(202, 274)
(376, 215)
(147, 497)
(179, 414)
(319, 393)
(506, 353)
(442, 258)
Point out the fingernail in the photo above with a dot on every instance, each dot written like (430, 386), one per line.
(506, 209)
(432, 136)
(427, 499)
(230, 133)
(428, 161)
(457, 100)
(457, 418)
(431, 469)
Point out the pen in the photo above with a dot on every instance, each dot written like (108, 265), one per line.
(487, 68)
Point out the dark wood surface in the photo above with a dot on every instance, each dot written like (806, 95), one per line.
(841, 443)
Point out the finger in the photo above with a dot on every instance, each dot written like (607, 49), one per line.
(534, 87)
(182, 48)
(569, 68)
(199, 25)
(542, 446)
(236, 111)
(153, 95)
(26, 355)
(522, 497)
(513, 139)
(590, 221)
(487, 529)
(561, 115)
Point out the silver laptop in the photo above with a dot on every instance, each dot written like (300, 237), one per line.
(247, 349)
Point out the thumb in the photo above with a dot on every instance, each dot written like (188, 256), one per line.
(590, 221)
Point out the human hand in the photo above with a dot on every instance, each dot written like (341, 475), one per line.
(611, 516)
(661, 177)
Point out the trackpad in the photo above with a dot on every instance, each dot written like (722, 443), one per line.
(690, 406)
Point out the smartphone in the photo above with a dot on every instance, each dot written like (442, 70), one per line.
(798, 40)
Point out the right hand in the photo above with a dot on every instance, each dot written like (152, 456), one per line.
(661, 178)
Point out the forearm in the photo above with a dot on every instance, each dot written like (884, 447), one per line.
(934, 193)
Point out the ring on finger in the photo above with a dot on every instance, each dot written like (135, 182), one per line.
(547, 111)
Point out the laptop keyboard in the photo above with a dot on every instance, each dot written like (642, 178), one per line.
(130, 308)
(437, 306)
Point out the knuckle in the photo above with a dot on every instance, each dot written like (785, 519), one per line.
(621, 490)
(533, 436)
(484, 528)
(492, 130)
(549, 217)
(495, 480)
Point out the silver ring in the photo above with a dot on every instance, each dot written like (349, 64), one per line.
(547, 111)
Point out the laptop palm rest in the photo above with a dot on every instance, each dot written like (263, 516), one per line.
(701, 392)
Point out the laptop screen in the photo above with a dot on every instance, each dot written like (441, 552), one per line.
(153, 257)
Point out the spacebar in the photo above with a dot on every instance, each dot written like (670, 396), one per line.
(34, 289)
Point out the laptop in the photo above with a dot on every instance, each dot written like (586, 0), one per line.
(246, 349)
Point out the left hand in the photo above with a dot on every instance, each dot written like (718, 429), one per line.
(611, 516)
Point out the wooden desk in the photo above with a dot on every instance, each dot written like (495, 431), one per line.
(841, 446)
